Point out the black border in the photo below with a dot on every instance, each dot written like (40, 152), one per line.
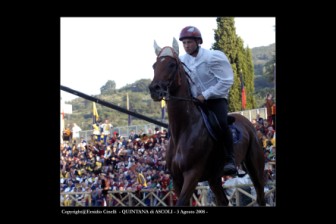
(49, 62)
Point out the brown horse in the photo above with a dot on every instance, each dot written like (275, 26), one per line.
(192, 154)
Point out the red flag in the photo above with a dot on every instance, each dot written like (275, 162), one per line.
(243, 98)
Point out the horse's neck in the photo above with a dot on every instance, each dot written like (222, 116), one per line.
(182, 113)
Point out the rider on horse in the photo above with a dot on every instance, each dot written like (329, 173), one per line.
(212, 78)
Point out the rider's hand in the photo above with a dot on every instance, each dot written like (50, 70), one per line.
(201, 98)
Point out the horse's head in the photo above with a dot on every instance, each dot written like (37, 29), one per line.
(166, 70)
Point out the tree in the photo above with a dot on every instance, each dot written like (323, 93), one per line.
(249, 78)
(108, 88)
(226, 40)
(141, 85)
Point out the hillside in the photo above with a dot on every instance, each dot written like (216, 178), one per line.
(261, 55)
(139, 102)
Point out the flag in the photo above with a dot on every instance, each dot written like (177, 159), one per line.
(95, 114)
(163, 105)
(127, 105)
(243, 93)
(141, 179)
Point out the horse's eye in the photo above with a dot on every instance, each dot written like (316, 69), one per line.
(172, 65)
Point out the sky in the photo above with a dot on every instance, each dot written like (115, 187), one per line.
(97, 49)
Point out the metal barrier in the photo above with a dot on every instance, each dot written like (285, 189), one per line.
(126, 130)
(252, 114)
(122, 130)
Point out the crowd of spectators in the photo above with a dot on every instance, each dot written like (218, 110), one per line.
(131, 163)
(267, 137)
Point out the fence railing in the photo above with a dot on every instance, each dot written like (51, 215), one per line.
(154, 197)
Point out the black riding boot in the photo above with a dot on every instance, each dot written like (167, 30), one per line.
(230, 164)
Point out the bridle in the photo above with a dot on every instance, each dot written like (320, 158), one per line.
(166, 88)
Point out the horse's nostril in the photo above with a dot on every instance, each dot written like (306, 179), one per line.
(154, 87)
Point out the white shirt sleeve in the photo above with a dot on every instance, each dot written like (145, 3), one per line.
(220, 67)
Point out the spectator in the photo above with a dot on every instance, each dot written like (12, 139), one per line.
(268, 104)
(133, 136)
(106, 130)
(96, 132)
(67, 134)
(75, 132)
(95, 197)
(84, 163)
(273, 115)
(259, 119)
(233, 181)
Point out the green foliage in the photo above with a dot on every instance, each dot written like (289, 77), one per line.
(108, 88)
(139, 86)
(269, 70)
(260, 56)
(234, 95)
(264, 59)
(139, 102)
(241, 62)
(225, 37)
(260, 96)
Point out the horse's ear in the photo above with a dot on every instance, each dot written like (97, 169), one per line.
(157, 48)
(175, 46)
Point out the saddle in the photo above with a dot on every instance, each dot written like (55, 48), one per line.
(213, 127)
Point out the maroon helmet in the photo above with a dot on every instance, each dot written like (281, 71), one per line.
(190, 32)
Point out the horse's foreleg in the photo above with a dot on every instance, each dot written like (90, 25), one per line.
(218, 190)
(177, 184)
(189, 184)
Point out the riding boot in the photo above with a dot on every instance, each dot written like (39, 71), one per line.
(230, 167)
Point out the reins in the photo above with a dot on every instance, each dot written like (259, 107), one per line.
(191, 98)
